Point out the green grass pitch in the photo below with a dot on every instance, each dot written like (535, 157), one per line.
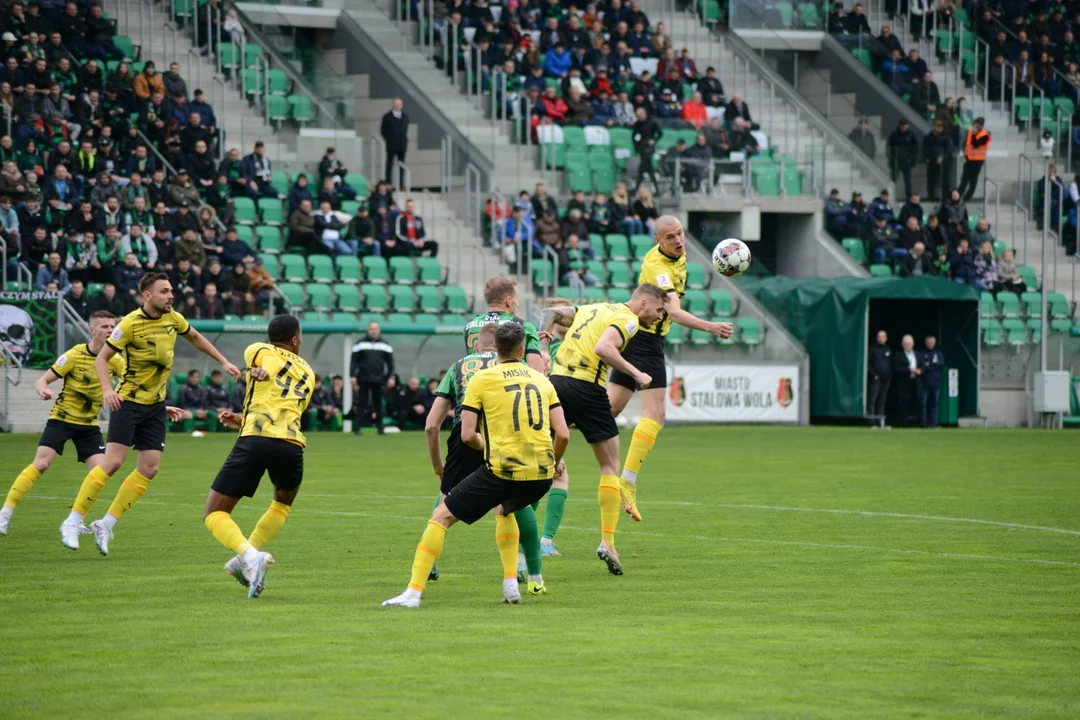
(778, 573)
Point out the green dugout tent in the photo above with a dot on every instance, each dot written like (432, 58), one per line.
(834, 319)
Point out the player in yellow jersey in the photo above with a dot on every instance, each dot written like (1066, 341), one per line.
(597, 336)
(663, 266)
(146, 337)
(270, 442)
(560, 487)
(511, 413)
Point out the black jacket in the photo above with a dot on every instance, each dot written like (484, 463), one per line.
(372, 360)
(931, 362)
(903, 149)
(191, 397)
(936, 146)
(395, 131)
(644, 131)
(909, 264)
(216, 396)
(880, 361)
(910, 210)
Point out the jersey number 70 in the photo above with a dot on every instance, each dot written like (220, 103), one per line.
(538, 423)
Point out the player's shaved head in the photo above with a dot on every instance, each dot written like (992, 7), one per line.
(485, 342)
(669, 235)
(510, 341)
(499, 291)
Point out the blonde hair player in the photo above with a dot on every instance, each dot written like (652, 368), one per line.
(664, 266)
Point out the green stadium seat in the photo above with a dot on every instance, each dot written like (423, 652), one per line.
(697, 302)
(429, 299)
(787, 12)
(604, 180)
(999, 247)
(431, 319)
(635, 268)
(695, 276)
(375, 270)
(749, 330)
(401, 297)
(231, 318)
(676, 335)
(347, 297)
(349, 207)
(641, 244)
(722, 304)
(348, 269)
(1060, 325)
(864, 56)
(94, 289)
(268, 239)
(278, 82)
(456, 300)
(374, 298)
(712, 12)
(293, 293)
(271, 211)
(229, 56)
(369, 317)
(619, 275)
(600, 158)
(991, 331)
(618, 247)
(281, 181)
(344, 318)
(294, 267)
(1010, 304)
(987, 306)
(574, 137)
(880, 270)
(618, 295)
(429, 271)
(1057, 306)
(700, 338)
(319, 296)
(1027, 274)
(358, 182)
(855, 248)
(544, 274)
(246, 214)
(252, 83)
(272, 265)
(321, 268)
(403, 270)
(593, 295)
(401, 318)
(599, 269)
(1015, 331)
(300, 108)
(449, 319)
(253, 318)
(809, 15)
(552, 156)
(580, 179)
(125, 45)
(253, 55)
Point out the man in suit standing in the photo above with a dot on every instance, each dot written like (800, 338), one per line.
(906, 374)
(931, 363)
(880, 370)
(395, 133)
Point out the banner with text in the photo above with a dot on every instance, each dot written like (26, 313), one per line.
(28, 326)
(733, 393)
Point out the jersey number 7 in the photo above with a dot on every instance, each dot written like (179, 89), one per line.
(538, 423)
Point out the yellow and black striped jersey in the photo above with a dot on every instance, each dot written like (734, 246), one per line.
(273, 407)
(577, 356)
(147, 344)
(79, 401)
(514, 403)
(668, 274)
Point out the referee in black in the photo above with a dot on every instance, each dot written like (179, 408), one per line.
(371, 366)
(645, 134)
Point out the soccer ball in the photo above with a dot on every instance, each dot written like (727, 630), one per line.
(731, 257)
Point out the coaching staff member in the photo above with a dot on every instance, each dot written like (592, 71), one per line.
(371, 366)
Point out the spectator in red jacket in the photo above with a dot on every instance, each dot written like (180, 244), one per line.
(694, 111)
(553, 106)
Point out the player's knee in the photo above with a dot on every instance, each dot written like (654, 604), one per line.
(149, 469)
(42, 464)
(442, 516)
(659, 413)
(561, 483)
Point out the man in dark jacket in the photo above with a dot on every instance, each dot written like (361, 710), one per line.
(645, 134)
(937, 151)
(192, 397)
(903, 150)
(931, 363)
(372, 363)
(925, 96)
(916, 262)
(863, 138)
(77, 299)
(395, 133)
(408, 402)
(879, 365)
(912, 208)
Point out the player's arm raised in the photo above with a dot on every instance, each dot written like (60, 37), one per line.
(42, 384)
(607, 349)
(551, 317)
(673, 307)
(200, 343)
(439, 410)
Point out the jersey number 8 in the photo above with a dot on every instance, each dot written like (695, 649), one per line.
(538, 423)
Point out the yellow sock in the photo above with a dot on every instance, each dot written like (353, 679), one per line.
(133, 488)
(269, 524)
(507, 537)
(227, 532)
(91, 487)
(610, 500)
(640, 446)
(427, 553)
(21, 486)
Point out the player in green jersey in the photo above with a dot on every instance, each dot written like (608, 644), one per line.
(560, 486)
(501, 296)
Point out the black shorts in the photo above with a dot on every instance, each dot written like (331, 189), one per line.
(139, 426)
(482, 492)
(461, 461)
(251, 457)
(645, 351)
(86, 438)
(586, 407)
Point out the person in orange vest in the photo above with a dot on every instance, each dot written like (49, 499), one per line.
(975, 146)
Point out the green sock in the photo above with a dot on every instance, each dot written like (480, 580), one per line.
(530, 538)
(188, 425)
(536, 506)
(438, 499)
(553, 514)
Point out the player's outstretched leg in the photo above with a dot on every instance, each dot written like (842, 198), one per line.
(553, 513)
(23, 483)
(507, 537)
(642, 443)
(427, 553)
